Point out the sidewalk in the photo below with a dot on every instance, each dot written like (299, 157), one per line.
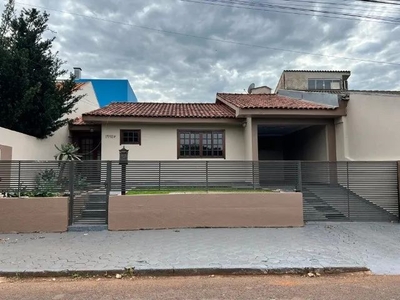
(334, 245)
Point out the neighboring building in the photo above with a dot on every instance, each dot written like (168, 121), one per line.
(109, 90)
(18, 146)
(369, 129)
(313, 80)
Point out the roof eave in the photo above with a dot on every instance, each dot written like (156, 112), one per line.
(232, 106)
(158, 120)
(308, 113)
(318, 71)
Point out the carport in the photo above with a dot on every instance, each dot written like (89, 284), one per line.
(306, 141)
(282, 144)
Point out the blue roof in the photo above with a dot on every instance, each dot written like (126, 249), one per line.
(111, 90)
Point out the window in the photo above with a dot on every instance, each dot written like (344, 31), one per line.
(130, 137)
(204, 144)
(324, 84)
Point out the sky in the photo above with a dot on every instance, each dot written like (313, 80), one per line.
(138, 40)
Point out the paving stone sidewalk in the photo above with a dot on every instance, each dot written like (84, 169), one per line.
(321, 245)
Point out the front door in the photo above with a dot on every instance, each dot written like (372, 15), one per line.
(90, 150)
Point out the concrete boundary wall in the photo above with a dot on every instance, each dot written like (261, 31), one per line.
(29, 215)
(219, 210)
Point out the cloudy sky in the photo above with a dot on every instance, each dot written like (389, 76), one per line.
(133, 39)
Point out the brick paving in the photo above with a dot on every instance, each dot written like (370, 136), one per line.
(319, 245)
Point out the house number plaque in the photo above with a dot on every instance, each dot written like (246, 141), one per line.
(110, 136)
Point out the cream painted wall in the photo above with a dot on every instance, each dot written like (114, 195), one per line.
(370, 131)
(340, 140)
(159, 142)
(248, 139)
(25, 147)
(89, 101)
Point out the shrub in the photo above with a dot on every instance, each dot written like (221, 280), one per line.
(47, 184)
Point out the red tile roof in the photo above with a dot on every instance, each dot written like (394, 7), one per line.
(165, 110)
(269, 101)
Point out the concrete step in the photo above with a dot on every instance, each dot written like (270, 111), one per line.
(96, 205)
(91, 220)
(86, 228)
(96, 213)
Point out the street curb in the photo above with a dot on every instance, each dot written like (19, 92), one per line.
(128, 272)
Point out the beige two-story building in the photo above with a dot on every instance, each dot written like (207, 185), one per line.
(313, 80)
(368, 131)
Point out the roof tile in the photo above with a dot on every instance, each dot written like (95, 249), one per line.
(269, 101)
(165, 110)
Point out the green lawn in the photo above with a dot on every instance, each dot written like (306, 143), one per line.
(165, 191)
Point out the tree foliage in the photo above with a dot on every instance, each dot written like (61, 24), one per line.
(32, 101)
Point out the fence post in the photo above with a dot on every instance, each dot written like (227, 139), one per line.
(348, 190)
(123, 179)
(398, 188)
(254, 175)
(71, 192)
(299, 177)
(207, 176)
(19, 179)
(108, 188)
(159, 175)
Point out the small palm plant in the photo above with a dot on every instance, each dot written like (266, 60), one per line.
(66, 152)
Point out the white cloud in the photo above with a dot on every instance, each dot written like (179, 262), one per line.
(176, 68)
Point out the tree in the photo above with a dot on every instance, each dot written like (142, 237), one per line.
(32, 101)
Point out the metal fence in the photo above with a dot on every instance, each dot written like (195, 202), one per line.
(340, 191)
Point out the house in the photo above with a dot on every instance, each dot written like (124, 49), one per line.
(239, 127)
(369, 129)
(312, 116)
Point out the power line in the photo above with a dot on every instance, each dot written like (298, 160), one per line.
(258, 6)
(361, 7)
(213, 39)
(293, 11)
(380, 2)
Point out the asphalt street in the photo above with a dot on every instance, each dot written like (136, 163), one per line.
(356, 286)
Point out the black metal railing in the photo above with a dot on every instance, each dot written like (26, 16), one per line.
(355, 191)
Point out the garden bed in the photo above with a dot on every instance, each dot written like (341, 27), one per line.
(28, 215)
(193, 190)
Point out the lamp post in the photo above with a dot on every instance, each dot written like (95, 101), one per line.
(123, 161)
